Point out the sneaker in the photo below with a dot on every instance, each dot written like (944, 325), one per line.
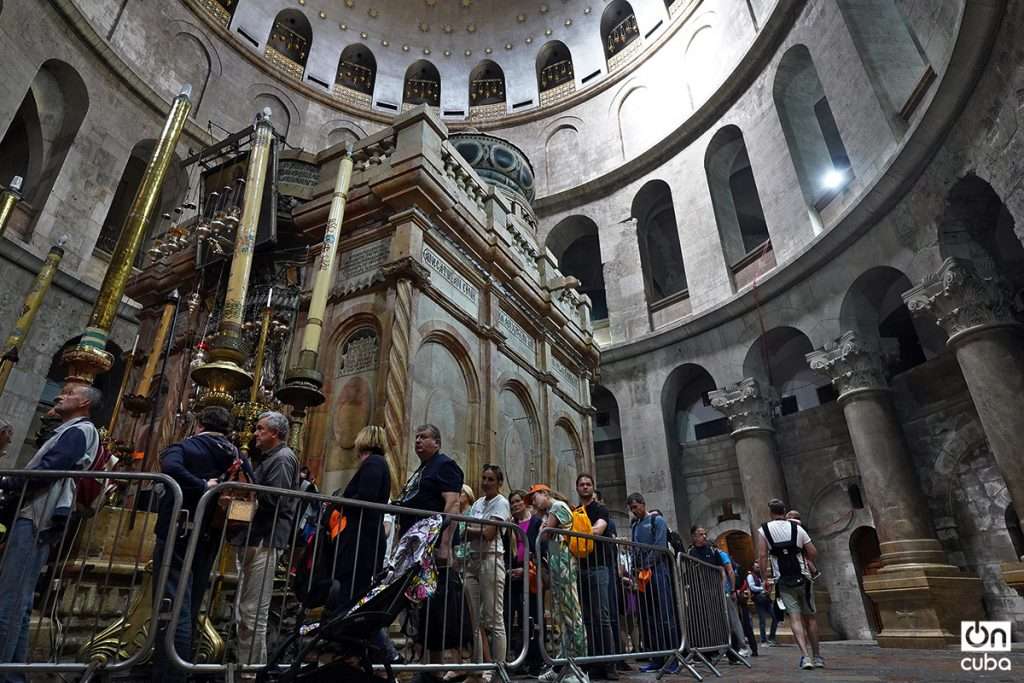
(770, 643)
(806, 663)
(649, 668)
(672, 668)
(819, 662)
(548, 676)
(744, 652)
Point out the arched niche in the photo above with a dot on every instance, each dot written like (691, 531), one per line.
(608, 452)
(43, 130)
(742, 227)
(486, 84)
(567, 457)
(873, 307)
(577, 247)
(618, 28)
(894, 59)
(701, 75)
(190, 63)
(445, 394)
(661, 258)
(518, 435)
(867, 561)
(812, 135)
(291, 36)
(172, 194)
(357, 69)
(777, 358)
(280, 114)
(422, 84)
(554, 66)
(562, 153)
(351, 389)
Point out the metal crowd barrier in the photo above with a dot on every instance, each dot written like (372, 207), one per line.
(94, 607)
(442, 633)
(705, 608)
(617, 581)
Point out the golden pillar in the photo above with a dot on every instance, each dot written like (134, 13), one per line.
(303, 382)
(90, 357)
(224, 374)
(250, 411)
(139, 403)
(8, 198)
(33, 300)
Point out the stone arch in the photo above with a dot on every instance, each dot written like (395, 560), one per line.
(280, 111)
(422, 84)
(554, 65)
(742, 227)
(519, 435)
(608, 452)
(357, 69)
(190, 63)
(661, 257)
(576, 245)
(873, 307)
(618, 28)
(698, 55)
(291, 35)
(486, 84)
(340, 131)
(561, 155)
(43, 130)
(635, 106)
(822, 164)
(172, 194)
(568, 459)
(777, 358)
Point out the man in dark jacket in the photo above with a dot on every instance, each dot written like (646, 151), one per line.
(196, 464)
(271, 531)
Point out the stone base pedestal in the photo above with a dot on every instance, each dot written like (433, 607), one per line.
(1013, 575)
(822, 607)
(922, 607)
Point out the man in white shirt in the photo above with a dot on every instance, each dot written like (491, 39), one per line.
(790, 549)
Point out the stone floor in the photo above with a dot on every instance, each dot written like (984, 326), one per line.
(854, 662)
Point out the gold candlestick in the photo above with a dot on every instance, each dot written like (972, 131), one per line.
(139, 403)
(251, 410)
(90, 357)
(8, 198)
(224, 374)
(33, 300)
(304, 381)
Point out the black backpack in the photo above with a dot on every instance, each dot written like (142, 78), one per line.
(676, 542)
(787, 554)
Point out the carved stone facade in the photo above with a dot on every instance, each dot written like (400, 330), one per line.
(746, 405)
(852, 363)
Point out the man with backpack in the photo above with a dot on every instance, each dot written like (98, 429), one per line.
(790, 549)
(596, 568)
(44, 508)
(660, 622)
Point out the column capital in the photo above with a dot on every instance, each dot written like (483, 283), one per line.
(748, 407)
(853, 363)
(960, 299)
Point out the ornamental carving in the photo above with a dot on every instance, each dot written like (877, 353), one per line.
(853, 363)
(959, 298)
(747, 406)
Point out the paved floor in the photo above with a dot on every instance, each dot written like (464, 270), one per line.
(856, 663)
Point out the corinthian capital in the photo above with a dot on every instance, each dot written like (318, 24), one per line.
(960, 299)
(746, 405)
(853, 363)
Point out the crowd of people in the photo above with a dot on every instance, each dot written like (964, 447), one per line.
(606, 596)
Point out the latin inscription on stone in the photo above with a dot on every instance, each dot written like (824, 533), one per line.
(458, 289)
(358, 266)
(359, 353)
(565, 373)
(517, 334)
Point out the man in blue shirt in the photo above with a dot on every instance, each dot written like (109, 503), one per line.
(660, 625)
(45, 505)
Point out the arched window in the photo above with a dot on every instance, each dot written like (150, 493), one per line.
(577, 248)
(554, 66)
(41, 134)
(357, 69)
(290, 40)
(778, 358)
(661, 259)
(608, 453)
(618, 29)
(895, 62)
(422, 84)
(822, 164)
(486, 84)
(741, 223)
(172, 193)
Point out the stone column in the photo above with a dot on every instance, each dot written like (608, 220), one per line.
(920, 596)
(989, 346)
(750, 412)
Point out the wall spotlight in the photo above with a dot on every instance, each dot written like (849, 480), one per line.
(834, 179)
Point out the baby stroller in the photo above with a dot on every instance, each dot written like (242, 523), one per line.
(340, 648)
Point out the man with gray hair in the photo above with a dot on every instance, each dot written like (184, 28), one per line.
(44, 508)
(271, 531)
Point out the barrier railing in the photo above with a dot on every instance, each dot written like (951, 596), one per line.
(589, 590)
(329, 590)
(95, 579)
(707, 620)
